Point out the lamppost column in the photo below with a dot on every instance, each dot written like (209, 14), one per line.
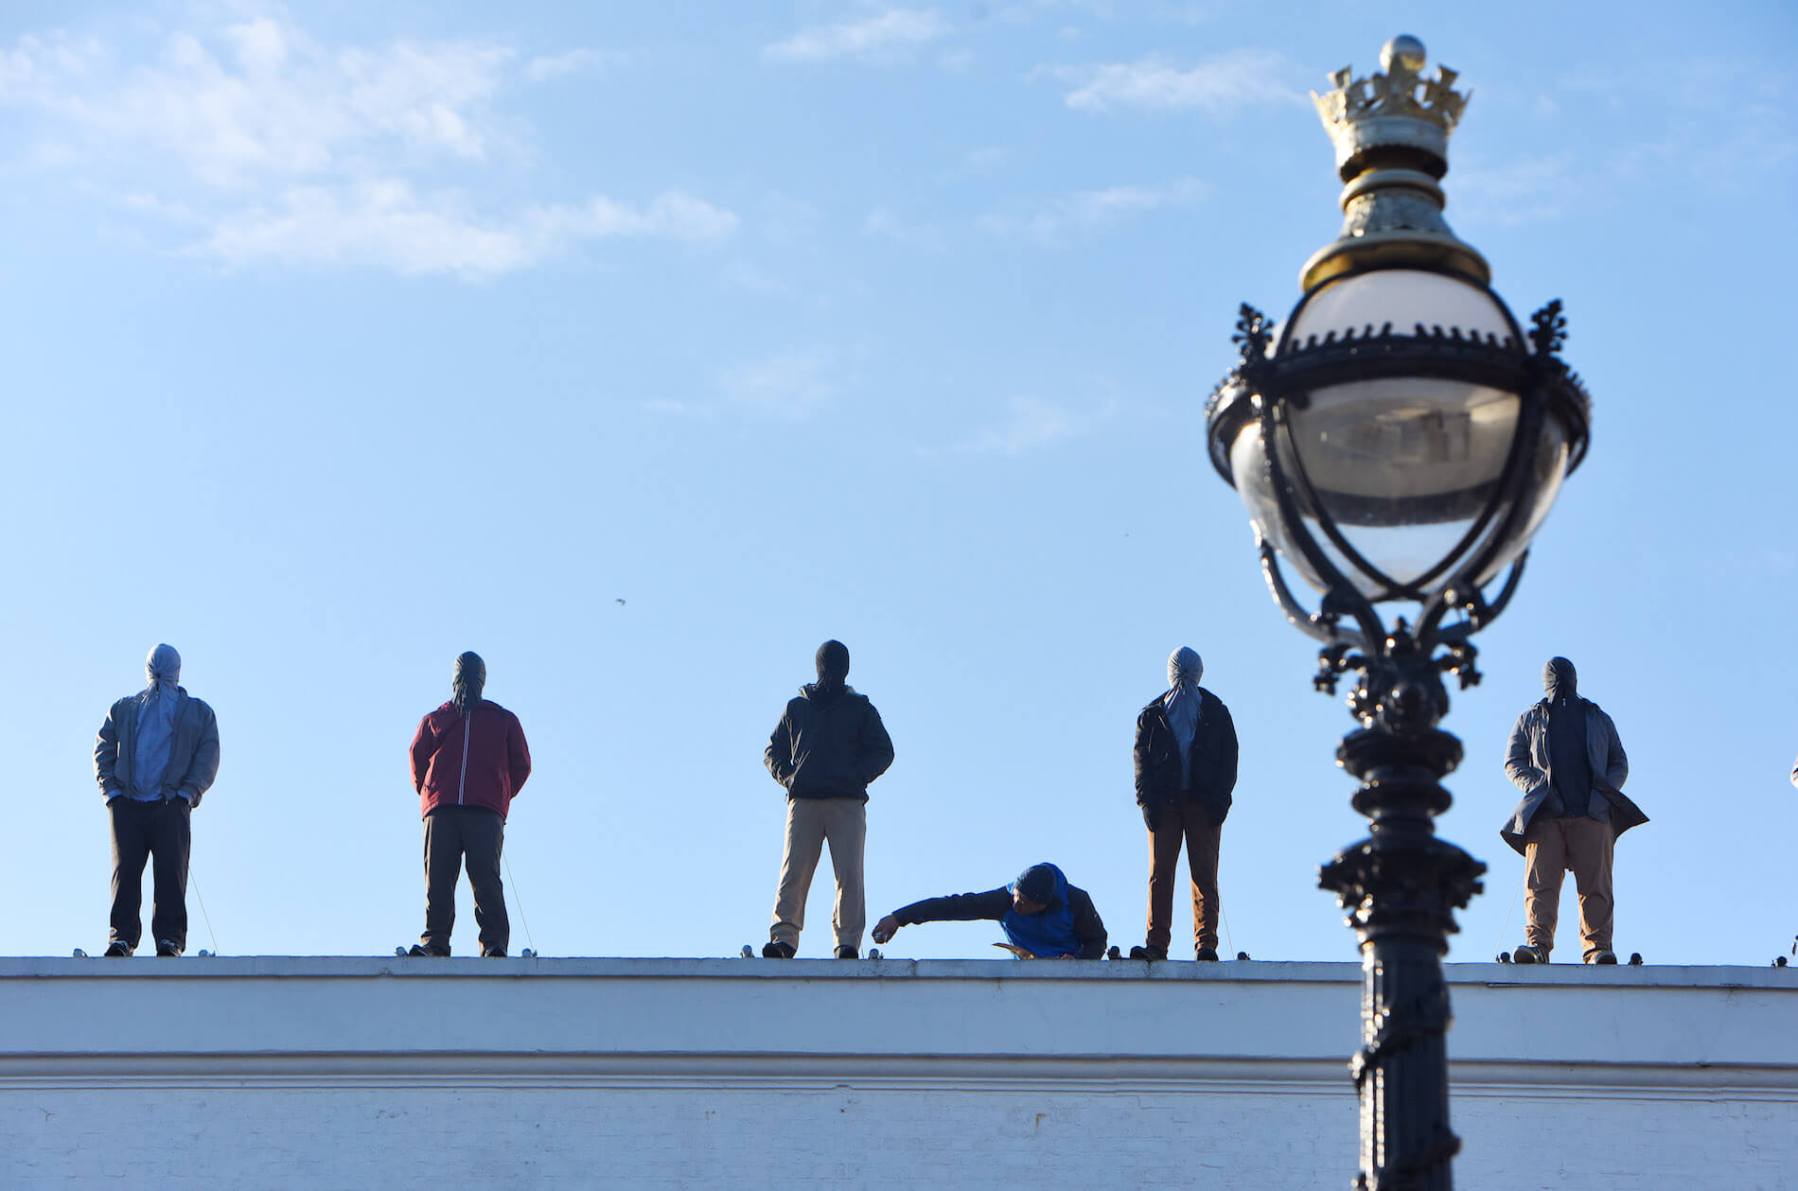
(1401, 886)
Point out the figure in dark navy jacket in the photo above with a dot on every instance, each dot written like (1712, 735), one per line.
(469, 760)
(1043, 916)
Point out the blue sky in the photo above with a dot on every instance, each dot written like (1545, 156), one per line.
(643, 349)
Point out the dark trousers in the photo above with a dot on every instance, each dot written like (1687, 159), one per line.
(453, 833)
(1183, 821)
(140, 831)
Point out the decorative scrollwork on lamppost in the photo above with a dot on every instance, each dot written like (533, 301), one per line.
(1398, 441)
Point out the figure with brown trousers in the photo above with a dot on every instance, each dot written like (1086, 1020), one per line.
(1186, 757)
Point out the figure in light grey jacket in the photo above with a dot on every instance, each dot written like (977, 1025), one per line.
(154, 758)
(1566, 757)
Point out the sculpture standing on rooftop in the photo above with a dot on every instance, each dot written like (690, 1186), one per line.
(469, 760)
(1185, 760)
(1567, 759)
(156, 755)
(829, 745)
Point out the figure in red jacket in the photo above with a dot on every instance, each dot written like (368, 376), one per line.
(469, 760)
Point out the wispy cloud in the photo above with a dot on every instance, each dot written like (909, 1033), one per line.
(546, 67)
(789, 384)
(282, 150)
(884, 37)
(1521, 191)
(1029, 424)
(385, 224)
(1088, 210)
(882, 223)
(1217, 86)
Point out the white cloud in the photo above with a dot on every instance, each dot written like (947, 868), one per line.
(791, 384)
(884, 36)
(285, 150)
(1089, 210)
(1219, 85)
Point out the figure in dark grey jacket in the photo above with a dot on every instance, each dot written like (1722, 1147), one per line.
(155, 757)
(1567, 759)
(1185, 759)
(828, 746)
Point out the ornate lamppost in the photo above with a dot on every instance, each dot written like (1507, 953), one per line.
(1398, 442)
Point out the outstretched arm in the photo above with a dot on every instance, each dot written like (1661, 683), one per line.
(957, 907)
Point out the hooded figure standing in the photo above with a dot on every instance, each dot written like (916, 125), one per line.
(1185, 775)
(1567, 759)
(827, 748)
(155, 756)
(469, 760)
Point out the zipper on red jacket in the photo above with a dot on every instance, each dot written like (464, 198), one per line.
(467, 731)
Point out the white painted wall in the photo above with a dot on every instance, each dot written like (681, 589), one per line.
(275, 1072)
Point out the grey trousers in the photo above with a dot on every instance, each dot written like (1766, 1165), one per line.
(453, 834)
(811, 822)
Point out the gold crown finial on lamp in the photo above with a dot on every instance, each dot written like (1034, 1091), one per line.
(1391, 134)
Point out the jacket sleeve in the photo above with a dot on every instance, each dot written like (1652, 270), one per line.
(1523, 775)
(1616, 768)
(1140, 758)
(424, 743)
(1089, 928)
(518, 755)
(106, 755)
(204, 769)
(957, 907)
(877, 747)
(778, 756)
(1229, 754)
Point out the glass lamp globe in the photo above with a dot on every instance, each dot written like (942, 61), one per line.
(1406, 468)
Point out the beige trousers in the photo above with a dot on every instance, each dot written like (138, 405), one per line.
(811, 822)
(1178, 822)
(1551, 847)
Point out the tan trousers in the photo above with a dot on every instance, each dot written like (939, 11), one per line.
(843, 822)
(1183, 822)
(1552, 846)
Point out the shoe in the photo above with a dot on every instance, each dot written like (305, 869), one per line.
(1527, 954)
(419, 949)
(848, 953)
(1147, 952)
(1602, 957)
(778, 950)
(117, 951)
(1206, 955)
(167, 950)
(493, 954)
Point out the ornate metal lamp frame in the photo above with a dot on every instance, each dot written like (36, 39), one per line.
(1401, 884)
